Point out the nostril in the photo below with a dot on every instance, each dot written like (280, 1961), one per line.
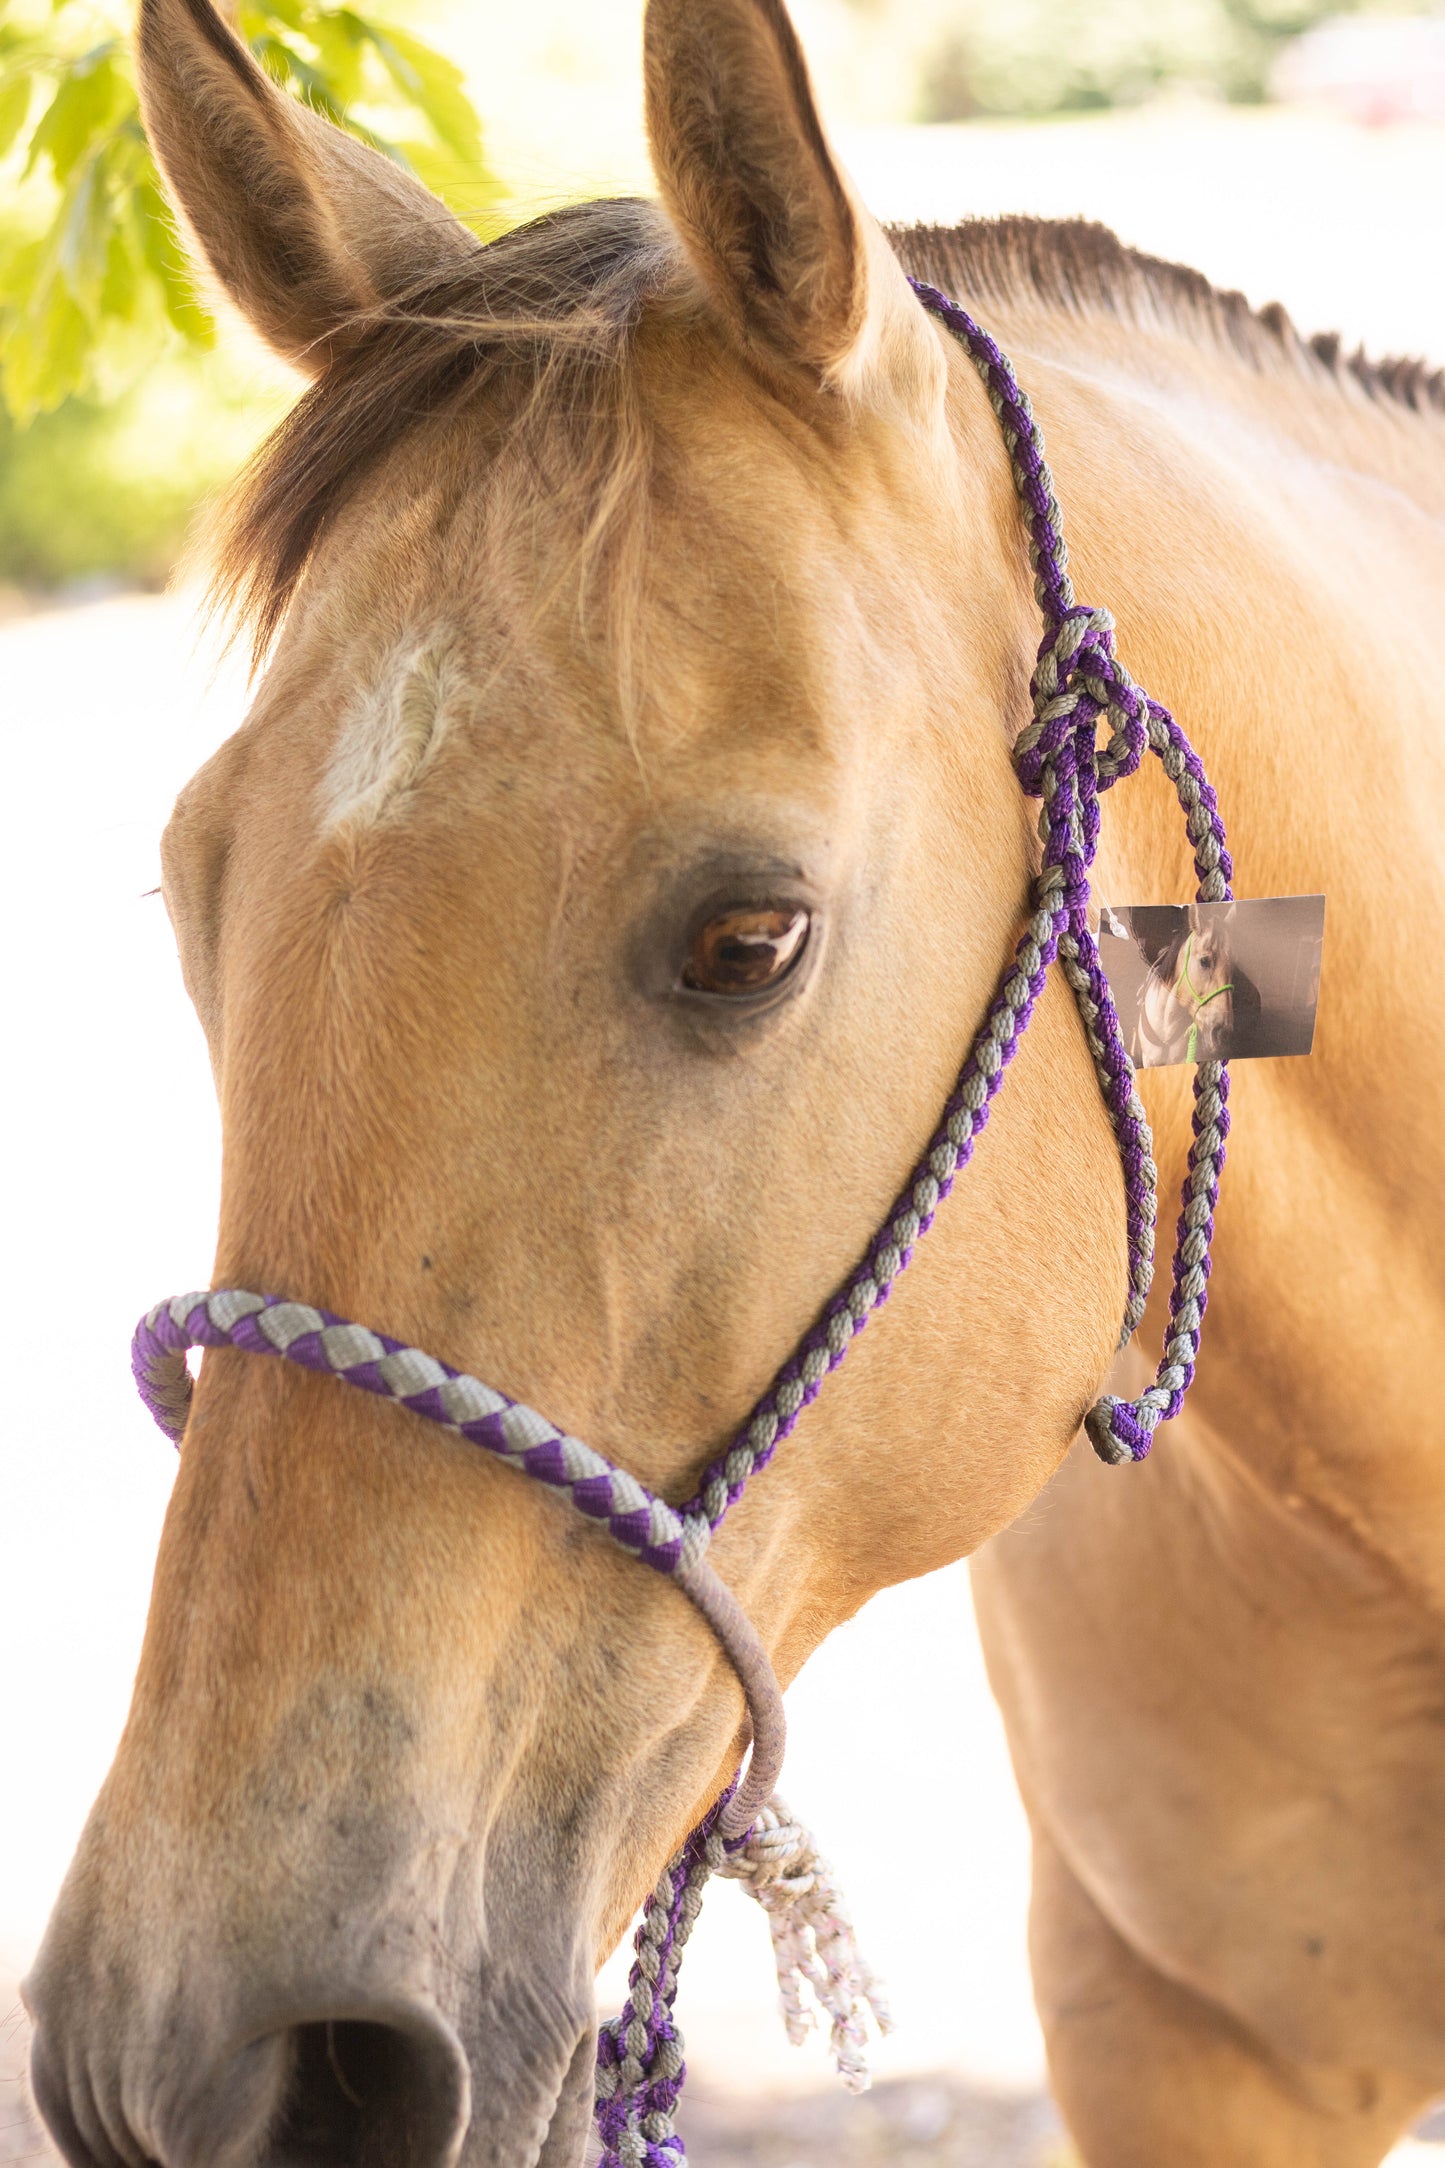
(388, 2090)
(326, 2107)
(368, 2095)
(344, 2082)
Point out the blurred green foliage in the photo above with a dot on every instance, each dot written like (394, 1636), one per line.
(117, 418)
(106, 487)
(1030, 58)
(92, 277)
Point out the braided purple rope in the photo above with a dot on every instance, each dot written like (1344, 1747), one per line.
(640, 2067)
(1077, 681)
(642, 1523)
(1077, 684)
(1119, 1430)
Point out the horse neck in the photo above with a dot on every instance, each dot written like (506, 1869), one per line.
(1276, 583)
(1275, 588)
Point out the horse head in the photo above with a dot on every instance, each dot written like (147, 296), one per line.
(1208, 985)
(587, 924)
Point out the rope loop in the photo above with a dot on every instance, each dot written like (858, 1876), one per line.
(1079, 684)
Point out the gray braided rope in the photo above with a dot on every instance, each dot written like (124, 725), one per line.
(641, 1523)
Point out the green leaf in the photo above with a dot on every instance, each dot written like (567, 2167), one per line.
(340, 52)
(257, 20)
(14, 109)
(82, 235)
(92, 96)
(120, 287)
(429, 83)
(19, 269)
(44, 356)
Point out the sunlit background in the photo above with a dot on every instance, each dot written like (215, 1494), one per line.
(1297, 156)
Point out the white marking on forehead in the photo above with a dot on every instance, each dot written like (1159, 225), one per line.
(390, 735)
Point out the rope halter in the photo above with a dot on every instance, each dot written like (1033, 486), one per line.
(1078, 685)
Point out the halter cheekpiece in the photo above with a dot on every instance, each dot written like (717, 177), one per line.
(1078, 684)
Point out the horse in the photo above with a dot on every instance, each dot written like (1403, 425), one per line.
(1195, 1000)
(587, 924)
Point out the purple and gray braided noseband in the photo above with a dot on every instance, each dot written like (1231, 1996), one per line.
(1078, 684)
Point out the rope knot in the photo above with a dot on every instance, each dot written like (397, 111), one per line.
(779, 1864)
(1077, 680)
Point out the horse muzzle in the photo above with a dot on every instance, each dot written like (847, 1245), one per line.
(389, 2086)
(396, 2049)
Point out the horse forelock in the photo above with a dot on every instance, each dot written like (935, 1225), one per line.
(530, 337)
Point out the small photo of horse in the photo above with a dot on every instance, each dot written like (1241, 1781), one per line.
(1214, 981)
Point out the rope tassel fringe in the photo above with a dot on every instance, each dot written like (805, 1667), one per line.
(814, 1946)
(640, 2067)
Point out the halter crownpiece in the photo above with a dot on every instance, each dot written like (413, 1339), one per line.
(1078, 684)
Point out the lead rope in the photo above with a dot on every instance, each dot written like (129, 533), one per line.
(1077, 684)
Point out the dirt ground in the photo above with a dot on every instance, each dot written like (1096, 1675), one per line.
(925, 2122)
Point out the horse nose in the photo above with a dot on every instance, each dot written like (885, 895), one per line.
(350, 2091)
(361, 2094)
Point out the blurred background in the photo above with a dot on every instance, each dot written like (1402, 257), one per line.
(1284, 147)
(1279, 144)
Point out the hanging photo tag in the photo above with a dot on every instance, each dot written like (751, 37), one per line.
(1214, 981)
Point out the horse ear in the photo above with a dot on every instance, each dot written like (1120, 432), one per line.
(767, 216)
(304, 227)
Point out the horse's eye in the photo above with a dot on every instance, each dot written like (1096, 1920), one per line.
(746, 951)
